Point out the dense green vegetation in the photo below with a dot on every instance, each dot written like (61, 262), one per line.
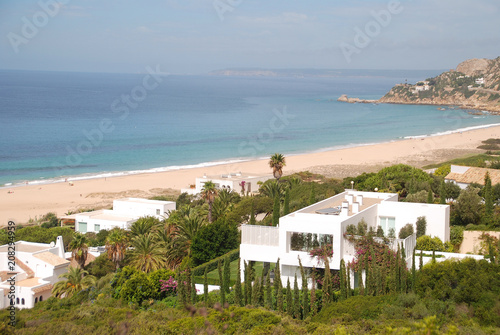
(150, 287)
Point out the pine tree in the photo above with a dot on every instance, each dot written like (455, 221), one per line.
(314, 308)
(221, 284)
(289, 302)
(296, 299)
(269, 292)
(227, 274)
(286, 206)
(430, 197)
(237, 287)
(252, 214)
(343, 292)
(442, 193)
(205, 286)
(276, 210)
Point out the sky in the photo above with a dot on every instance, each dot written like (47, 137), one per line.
(198, 36)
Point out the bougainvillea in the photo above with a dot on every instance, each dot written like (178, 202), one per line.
(169, 286)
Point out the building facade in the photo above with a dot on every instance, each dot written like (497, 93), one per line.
(327, 221)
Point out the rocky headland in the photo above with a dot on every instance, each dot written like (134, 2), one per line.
(474, 84)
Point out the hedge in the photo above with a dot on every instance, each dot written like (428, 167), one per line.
(212, 265)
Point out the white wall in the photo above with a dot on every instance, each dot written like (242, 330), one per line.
(437, 216)
(142, 207)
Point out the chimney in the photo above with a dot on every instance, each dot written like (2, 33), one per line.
(355, 207)
(349, 198)
(345, 209)
(359, 199)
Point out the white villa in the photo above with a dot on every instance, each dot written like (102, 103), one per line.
(124, 213)
(328, 219)
(37, 268)
(239, 182)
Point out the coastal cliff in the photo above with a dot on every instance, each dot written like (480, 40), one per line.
(474, 84)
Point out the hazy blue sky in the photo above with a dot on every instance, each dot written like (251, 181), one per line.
(192, 36)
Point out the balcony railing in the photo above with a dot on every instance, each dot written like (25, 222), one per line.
(260, 235)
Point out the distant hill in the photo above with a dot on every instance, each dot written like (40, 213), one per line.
(474, 84)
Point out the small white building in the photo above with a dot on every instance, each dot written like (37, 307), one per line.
(327, 220)
(480, 81)
(29, 271)
(124, 213)
(239, 182)
(463, 176)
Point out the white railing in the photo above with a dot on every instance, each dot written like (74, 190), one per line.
(260, 235)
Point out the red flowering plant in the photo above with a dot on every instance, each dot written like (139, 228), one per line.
(322, 253)
(367, 249)
(169, 286)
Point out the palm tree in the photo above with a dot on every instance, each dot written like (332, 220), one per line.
(116, 246)
(76, 281)
(144, 225)
(209, 192)
(147, 254)
(79, 249)
(277, 162)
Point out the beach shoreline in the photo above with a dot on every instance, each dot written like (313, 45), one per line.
(34, 200)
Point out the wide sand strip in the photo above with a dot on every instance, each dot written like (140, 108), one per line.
(33, 201)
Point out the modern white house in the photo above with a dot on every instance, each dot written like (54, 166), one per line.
(125, 212)
(30, 272)
(239, 182)
(463, 176)
(327, 221)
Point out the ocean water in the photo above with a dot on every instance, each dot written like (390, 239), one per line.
(57, 125)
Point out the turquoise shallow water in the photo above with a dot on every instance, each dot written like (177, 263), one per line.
(81, 125)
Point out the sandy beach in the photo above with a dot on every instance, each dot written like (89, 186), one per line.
(33, 201)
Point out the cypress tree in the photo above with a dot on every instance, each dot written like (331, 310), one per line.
(286, 206)
(421, 260)
(237, 287)
(343, 292)
(360, 280)
(269, 292)
(404, 270)
(488, 200)
(256, 292)
(248, 284)
(221, 283)
(433, 261)
(278, 286)
(348, 279)
(305, 291)
(181, 288)
(442, 193)
(368, 277)
(262, 288)
(296, 299)
(276, 210)
(374, 273)
(327, 284)
(227, 274)
(252, 214)
(430, 197)
(187, 292)
(413, 272)
(205, 286)
(289, 302)
(398, 270)
(194, 296)
(313, 308)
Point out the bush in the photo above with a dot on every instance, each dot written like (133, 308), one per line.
(421, 226)
(406, 231)
(443, 170)
(428, 243)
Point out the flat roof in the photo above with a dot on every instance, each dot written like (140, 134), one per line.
(23, 246)
(145, 201)
(30, 282)
(108, 215)
(236, 176)
(367, 202)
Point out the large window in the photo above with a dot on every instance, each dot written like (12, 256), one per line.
(309, 241)
(97, 227)
(82, 227)
(387, 223)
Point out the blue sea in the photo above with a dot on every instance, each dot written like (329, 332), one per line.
(57, 125)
